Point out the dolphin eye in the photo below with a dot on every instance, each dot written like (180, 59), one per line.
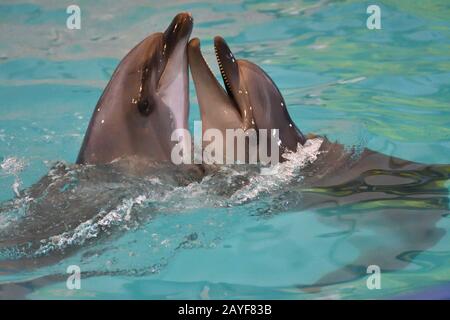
(143, 101)
(144, 107)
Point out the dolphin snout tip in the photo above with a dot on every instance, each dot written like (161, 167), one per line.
(194, 43)
(221, 45)
(218, 39)
(180, 29)
(184, 16)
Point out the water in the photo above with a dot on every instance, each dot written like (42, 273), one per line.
(383, 89)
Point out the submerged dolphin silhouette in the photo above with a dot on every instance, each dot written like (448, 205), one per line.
(386, 194)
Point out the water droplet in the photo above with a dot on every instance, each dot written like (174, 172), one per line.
(290, 125)
(103, 121)
(282, 104)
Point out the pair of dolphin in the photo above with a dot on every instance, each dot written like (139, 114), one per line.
(130, 131)
(147, 98)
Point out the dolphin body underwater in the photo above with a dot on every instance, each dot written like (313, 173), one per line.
(128, 140)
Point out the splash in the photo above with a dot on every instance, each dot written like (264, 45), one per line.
(91, 228)
(125, 201)
(13, 166)
(274, 177)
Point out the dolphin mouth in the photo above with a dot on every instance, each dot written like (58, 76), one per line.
(173, 84)
(234, 81)
(207, 85)
(228, 67)
(177, 32)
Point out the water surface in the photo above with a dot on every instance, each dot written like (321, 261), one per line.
(387, 90)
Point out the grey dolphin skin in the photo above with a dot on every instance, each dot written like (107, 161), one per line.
(385, 194)
(145, 100)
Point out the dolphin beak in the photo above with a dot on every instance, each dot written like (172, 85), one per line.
(232, 78)
(210, 93)
(173, 84)
(229, 69)
(179, 30)
(213, 100)
(204, 79)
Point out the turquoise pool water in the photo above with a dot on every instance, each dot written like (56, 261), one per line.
(384, 89)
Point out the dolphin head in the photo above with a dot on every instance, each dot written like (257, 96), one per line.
(145, 100)
(250, 99)
(219, 107)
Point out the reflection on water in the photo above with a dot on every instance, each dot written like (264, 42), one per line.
(388, 224)
(382, 210)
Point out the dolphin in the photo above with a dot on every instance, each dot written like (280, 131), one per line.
(384, 194)
(146, 99)
(250, 100)
(128, 142)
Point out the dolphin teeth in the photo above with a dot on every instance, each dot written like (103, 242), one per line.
(222, 71)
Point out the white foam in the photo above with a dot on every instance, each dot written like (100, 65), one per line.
(13, 166)
(91, 228)
(194, 195)
(273, 177)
